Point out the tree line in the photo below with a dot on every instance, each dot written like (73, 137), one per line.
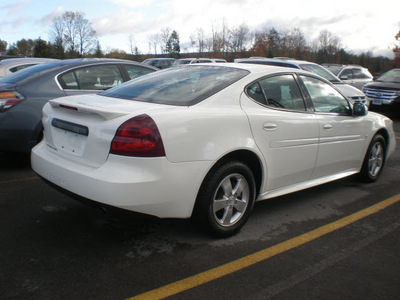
(72, 35)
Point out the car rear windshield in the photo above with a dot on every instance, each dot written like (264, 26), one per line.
(28, 72)
(183, 86)
(334, 69)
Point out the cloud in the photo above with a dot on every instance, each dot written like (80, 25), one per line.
(13, 8)
(132, 3)
(48, 19)
(122, 21)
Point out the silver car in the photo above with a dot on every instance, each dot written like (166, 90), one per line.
(9, 66)
(354, 75)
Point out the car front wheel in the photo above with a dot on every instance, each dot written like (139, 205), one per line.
(226, 199)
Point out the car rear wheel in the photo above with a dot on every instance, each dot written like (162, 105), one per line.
(226, 199)
(374, 159)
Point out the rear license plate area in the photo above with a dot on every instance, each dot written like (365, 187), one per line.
(69, 137)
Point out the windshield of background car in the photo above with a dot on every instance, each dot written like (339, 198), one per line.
(334, 69)
(183, 86)
(150, 62)
(321, 71)
(182, 62)
(390, 76)
(29, 72)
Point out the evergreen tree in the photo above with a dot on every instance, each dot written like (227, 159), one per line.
(173, 47)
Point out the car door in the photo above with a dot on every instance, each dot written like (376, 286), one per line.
(283, 129)
(341, 135)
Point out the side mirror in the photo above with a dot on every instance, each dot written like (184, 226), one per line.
(359, 109)
(344, 77)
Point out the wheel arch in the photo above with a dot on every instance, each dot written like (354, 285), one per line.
(251, 159)
(385, 134)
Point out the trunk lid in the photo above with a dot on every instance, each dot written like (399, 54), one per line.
(81, 128)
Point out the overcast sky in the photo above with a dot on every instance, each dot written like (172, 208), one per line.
(361, 26)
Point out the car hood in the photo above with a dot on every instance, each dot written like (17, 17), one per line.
(349, 91)
(383, 85)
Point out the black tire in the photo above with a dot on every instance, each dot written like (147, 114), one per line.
(374, 159)
(226, 199)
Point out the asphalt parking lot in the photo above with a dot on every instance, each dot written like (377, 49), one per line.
(336, 241)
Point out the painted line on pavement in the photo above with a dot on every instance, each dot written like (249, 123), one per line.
(19, 180)
(239, 264)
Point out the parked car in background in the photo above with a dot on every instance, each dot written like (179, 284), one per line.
(160, 63)
(207, 141)
(3, 57)
(385, 90)
(349, 91)
(187, 61)
(23, 94)
(354, 75)
(9, 66)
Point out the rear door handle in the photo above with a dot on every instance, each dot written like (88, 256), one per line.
(328, 127)
(270, 126)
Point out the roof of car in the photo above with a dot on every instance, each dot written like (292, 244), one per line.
(23, 60)
(285, 60)
(63, 65)
(160, 58)
(253, 68)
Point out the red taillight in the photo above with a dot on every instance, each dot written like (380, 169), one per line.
(138, 136)
(68, 107)
(9, 99)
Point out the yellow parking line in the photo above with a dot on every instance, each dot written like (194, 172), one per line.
(239, 264)
(19, 180)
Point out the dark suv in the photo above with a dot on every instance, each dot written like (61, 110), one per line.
(385, 90)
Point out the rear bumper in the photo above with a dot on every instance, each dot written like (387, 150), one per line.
(20, 129)
(152, 186)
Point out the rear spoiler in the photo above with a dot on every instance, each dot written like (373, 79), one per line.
(107, 113)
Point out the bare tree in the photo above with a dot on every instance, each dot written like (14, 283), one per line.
(297, 43)
(154, 40)
(131, 38)
(198, 39)
(74, 32)
(239, 38)
(86, 35)
(328, 42)
(57, 31)
(164, 37)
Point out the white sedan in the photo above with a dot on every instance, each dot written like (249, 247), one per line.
(207, 141)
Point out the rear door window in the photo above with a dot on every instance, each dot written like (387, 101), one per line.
(91, 78)
(279, 92)
(136, 71)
